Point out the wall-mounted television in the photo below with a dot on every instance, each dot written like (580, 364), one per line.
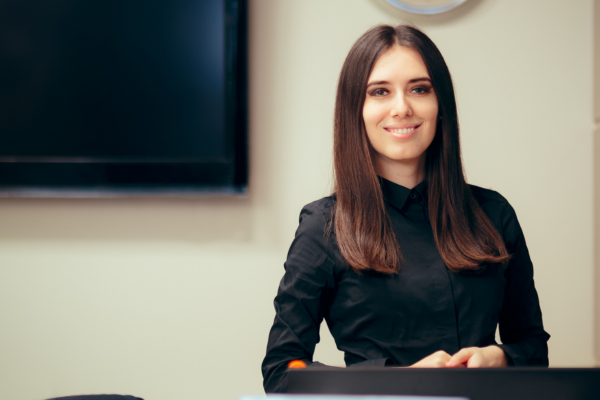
(123, 97)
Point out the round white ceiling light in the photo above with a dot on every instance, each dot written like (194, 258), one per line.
(426, 6)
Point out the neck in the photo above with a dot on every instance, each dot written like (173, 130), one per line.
(405, 173)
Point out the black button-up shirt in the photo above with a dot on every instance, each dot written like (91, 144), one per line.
(379, 319)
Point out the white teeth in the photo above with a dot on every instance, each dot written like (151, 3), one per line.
(402, 131)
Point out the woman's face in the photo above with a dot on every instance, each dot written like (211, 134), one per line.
(400, 111)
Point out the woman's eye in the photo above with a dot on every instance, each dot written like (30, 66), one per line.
(421, 90)
(379, 92)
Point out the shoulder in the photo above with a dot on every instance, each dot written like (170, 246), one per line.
(311, 250)
(487, 197)
(499, 211)
(497, 208)
(323, 204)
(491, 201)
(318, 210)
(316, 218)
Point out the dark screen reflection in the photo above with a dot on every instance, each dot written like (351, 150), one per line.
(117, 79)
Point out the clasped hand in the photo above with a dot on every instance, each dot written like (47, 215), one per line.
(470, 357)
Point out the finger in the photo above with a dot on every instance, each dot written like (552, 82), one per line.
(458, 358)
(442, 359)
(442, 354)
(462, 357)
(435, 360)
(476, 361)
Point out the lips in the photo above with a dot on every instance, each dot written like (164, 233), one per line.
(402, 131)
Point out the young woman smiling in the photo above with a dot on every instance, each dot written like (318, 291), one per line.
(408, 265)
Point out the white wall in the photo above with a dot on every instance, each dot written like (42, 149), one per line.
(171, 298)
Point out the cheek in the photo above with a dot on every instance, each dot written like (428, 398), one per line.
(433, 111)
(369, 121)
(431, 135)
(371, 114)
(428, 110)
(431, 131)
(430, 114)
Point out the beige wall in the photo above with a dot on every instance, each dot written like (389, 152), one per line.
(171, 298)
(596, 161)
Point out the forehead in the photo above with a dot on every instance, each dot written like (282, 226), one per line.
(399, 62)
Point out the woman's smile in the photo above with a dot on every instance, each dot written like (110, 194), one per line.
(402, 132)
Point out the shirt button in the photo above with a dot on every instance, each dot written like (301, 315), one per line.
(413, 196)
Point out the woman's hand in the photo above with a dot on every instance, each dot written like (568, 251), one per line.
(471, 357)
(439, 359)
(478, 357)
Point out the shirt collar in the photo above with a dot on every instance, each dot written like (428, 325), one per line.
(397, 195)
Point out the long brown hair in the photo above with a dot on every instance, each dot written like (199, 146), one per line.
(465, 237)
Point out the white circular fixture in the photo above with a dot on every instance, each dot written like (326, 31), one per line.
(426, 6)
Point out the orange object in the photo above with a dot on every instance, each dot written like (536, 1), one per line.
(296, 364)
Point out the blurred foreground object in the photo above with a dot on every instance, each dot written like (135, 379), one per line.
(296, 364)
(350, 397)
(514, 383)
(98, 397)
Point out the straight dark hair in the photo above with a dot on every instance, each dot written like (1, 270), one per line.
(464, 235)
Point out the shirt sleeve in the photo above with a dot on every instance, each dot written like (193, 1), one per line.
(301, 301)
(524, 340)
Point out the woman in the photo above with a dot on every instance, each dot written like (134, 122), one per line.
(408, 264)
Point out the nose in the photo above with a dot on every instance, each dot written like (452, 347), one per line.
(400, 106)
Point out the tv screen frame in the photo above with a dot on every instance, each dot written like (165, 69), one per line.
(39, 175)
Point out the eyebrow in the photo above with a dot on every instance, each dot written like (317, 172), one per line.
(411, 81)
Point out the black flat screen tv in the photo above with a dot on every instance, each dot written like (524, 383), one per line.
(105, 97)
